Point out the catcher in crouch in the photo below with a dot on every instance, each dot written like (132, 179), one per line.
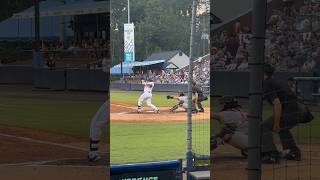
(234, 130)
(182, 102)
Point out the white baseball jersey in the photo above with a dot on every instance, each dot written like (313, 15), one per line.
(184, 101)
(148, 87)
(146, 96)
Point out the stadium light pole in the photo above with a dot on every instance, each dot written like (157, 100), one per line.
(128, 11)
(190, 81)
(128, 23)
(256, 64)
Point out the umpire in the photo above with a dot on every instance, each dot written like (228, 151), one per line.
(199, 96)
(287, 113)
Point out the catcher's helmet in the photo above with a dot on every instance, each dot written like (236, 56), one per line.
(229, 102)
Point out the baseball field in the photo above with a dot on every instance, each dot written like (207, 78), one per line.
(44, 134)
(148, 136)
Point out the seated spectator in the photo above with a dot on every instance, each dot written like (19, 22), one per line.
(243, 64)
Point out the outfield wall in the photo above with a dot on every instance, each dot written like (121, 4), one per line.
(16, 75)
(224, 83)
(157, 87)
(237, 83)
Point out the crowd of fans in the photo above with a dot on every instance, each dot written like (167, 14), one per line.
(93, 50)
(292, 42)
(201, 74)
(74, 46)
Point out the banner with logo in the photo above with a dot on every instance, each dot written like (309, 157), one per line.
(129, 55)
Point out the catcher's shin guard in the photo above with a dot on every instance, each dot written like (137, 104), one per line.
(175, 107)
(214, 142)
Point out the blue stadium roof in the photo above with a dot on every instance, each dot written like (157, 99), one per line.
(20, 25)
(68, 9)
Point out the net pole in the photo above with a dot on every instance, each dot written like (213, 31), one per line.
(36, 53)
(190, 80)
(256, 89)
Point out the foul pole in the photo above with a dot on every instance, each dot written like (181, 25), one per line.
(256, 64)
(190, 80)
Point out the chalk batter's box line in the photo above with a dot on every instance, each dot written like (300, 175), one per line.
(40, 142)
(129, 107)
(45, 142)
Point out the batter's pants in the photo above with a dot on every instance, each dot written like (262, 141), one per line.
(100, 121)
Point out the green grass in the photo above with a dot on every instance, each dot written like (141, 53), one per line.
(129, 142)
(60, 116)
(132, 143)
(143, 142)
(158, 98)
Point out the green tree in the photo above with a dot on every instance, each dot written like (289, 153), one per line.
(160, 25)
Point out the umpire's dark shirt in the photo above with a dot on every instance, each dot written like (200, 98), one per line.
(275, 89)
(197, 89)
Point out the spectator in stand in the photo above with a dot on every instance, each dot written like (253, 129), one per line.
(308, 66)
(232, 44)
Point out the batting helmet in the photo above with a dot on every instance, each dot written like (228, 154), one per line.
(229, 102)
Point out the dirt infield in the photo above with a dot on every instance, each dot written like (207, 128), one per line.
(228, 164)
(43, 155)
(121, 113)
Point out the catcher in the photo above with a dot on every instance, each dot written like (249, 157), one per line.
(182, 102)
(234, 130)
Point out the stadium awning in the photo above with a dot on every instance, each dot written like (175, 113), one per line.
(117, 70)
(140, 63)
(93, 7)
(172, 66)
(215, 19)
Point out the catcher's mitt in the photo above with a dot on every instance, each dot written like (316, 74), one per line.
(169, 97)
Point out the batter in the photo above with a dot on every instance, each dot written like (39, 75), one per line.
(147, 96)
(99, 122)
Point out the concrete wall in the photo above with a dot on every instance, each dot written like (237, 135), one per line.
(237, 83)
(50, 79)
(16, 75)
(71, 79)
(223, 83)
(157, 87)
(86, 80)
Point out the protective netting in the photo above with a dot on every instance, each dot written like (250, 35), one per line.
(306, 136)
(201, 75)
(201, 134)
